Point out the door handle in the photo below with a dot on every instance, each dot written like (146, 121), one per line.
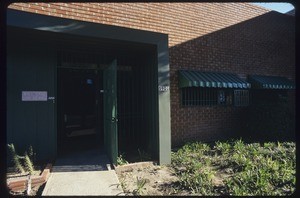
(113, 119)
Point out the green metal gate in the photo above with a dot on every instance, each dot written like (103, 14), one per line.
(110, 111)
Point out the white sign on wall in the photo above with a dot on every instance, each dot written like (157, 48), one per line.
(163, 88)
(34, 95)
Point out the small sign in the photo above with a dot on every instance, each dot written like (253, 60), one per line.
(163, 88)
(89, 81)
(34, 96)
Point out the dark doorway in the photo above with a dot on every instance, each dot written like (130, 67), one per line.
(80, 96)
(79, 109)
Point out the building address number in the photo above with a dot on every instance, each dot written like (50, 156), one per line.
(163, 88)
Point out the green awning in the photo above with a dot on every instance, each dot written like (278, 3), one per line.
(270, 82)
(190, 78)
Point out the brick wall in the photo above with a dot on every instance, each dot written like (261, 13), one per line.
(182, 21)
(227, 37)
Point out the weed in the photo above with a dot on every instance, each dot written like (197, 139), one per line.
(123, 184)
(140, 183)
(121, 160)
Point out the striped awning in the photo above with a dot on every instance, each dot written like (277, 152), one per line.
(270, 82)
(191, 78)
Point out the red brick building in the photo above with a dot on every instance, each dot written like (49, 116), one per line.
(237, 38)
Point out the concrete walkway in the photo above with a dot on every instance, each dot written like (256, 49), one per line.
(85, 173)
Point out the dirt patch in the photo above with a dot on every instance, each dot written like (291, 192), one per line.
(147, 179)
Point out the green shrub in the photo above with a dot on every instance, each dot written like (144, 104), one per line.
(22, 163)
(223, 147)
(251, 169)
(15, 158)
(28, 163)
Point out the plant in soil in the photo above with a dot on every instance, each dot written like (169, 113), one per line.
(121, 160)
(16, 159)
(140, 183)
(23, 164)
(236, 168)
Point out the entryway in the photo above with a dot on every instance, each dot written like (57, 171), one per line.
(34, 58)
(106, 98)
(80, 107)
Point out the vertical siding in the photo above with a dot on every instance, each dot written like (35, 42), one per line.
(31, 123)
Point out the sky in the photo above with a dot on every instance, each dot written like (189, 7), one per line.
(279, 7)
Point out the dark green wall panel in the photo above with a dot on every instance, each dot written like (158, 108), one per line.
(30, 68)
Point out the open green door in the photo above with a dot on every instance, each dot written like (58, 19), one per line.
(110, 111)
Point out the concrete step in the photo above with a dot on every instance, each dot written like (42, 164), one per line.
(83, 173)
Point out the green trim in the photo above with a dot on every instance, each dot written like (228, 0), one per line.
(190, 78)
(110, 111)
(270, 82)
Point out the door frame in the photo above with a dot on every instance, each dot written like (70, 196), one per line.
(162, 85)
